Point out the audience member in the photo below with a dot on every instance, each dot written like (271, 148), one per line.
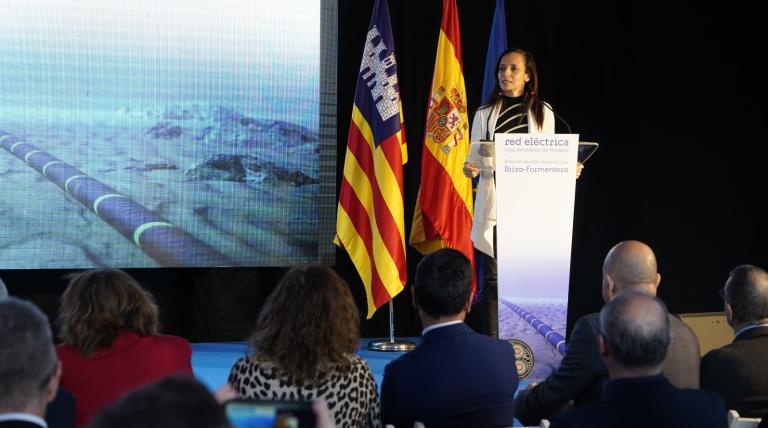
(633, 344)
(29, 369)
(60, 412)
(739, 371)
(109, 329)
(173, 402)
(304, 349)
(629, 265)
(455, 377)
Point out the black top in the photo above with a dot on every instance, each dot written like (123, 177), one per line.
(512, 118)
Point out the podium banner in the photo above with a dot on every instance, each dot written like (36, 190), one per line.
(535, 187)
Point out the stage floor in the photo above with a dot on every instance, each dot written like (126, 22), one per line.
(211, 362)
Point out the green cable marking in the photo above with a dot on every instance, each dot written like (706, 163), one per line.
(139, 230)
(49, 164)
(66, 183)
(13, 146)
(102, 197)
(26, 157)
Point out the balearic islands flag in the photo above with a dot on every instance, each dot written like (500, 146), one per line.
(443, 214)
(369, 221)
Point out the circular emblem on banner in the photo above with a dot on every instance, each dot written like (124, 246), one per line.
(523, 357)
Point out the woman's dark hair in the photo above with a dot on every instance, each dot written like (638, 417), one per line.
(98, 303)
(308, 325)
(531, 100)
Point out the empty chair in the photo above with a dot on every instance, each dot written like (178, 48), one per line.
(736, 421)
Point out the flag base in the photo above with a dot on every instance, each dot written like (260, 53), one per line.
(391, 345)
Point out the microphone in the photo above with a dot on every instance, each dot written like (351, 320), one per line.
(567, 126)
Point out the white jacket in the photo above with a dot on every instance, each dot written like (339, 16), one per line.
(485, 199)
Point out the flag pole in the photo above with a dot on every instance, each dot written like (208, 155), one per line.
(391, 345)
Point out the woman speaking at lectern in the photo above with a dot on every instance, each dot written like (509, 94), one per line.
(514, 107)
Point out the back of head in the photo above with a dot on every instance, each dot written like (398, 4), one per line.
(174, 402)
(632, 266)
(27, 357)
(98, 303)
(746, 291)
(308, 324)
(636, 330)
(443, 283)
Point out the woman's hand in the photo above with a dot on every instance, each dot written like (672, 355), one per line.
(225, 393)
(470, 170)
(579, 168)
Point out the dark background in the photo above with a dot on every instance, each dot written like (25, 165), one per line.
(673, 92)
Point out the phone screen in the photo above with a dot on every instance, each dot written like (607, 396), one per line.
(270, 414)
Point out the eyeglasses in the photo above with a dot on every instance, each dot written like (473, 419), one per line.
(721, 292)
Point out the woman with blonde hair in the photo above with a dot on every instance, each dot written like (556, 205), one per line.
(111, 344)
(304, 349)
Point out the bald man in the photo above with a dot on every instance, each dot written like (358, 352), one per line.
(739, 371)
(634, 342)
(629, 265)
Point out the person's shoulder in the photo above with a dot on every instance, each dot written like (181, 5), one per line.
(248, 367)
(576, 416)
(485, 108)
(703, 399)
(358, 362)
(716, 355)
(65, 351)
(360, 369)
(406, 361)
(164, 346)
(492, 342)
(680, 326)
(70, 356)
(589, 318)
(171, 341)
(18, 423)
(588, 323)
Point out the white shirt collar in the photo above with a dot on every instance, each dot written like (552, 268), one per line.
(26, 417)
(442, 324)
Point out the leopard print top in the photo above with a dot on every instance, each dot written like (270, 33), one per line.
(353, 397)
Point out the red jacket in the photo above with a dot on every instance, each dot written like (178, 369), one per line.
(131, 361)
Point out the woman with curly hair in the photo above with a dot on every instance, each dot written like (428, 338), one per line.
(304, 349)
(108, 325)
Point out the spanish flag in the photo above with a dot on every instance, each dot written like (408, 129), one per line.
(369, 222)
(443, 214)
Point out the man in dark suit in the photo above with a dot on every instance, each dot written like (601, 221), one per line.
(455, 377)
(60, 412)
(635, 336)
(29, 368)
(739, 371)
(629, 265)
